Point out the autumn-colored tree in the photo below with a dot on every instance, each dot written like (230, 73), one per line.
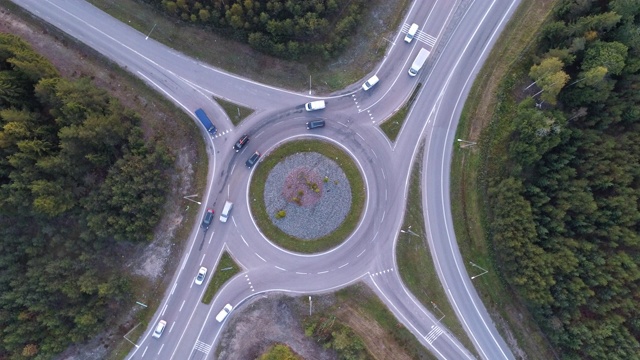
(550, 77)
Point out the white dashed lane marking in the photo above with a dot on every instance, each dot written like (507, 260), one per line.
(249, 282)
(382, 272)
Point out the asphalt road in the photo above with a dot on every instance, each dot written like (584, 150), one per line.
(459, 35)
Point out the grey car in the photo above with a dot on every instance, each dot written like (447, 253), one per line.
(314, 124)
(253, 160)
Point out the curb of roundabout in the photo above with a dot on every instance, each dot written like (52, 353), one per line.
(291, 243)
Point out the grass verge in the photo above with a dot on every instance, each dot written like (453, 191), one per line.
(366, 304)
(488, 95)
(368, 45)
(394, 123)
(225, 270)
(235, 112)
(416, 265)
(272, 232)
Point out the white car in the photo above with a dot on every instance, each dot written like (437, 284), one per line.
(224, 312)
(413, 29)
(159, 329)
(201, 275)
(369, 83)
(315, 105)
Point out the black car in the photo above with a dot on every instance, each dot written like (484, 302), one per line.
(253, 159)
(206, 220)
(315, 124)
(241, 142)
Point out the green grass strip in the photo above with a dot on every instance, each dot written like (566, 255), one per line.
(226, 269)
(416, 265)
(393, 124)
(271, 231)
(234, 111)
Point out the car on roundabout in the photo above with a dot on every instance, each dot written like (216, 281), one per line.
(253, 160)
(314, 124)
(315, 105)
(244, 139)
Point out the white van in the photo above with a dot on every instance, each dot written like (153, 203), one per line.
(224, 216)
(369, 83)
(413, 29)
(315, 105)
(418, 62)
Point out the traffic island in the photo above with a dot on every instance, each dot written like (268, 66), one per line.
(307, 196)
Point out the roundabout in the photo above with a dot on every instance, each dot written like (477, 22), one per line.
(462, 34)
(307, 196)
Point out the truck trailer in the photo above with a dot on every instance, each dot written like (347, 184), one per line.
(204, 119)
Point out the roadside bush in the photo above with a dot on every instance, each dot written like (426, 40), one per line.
(332, 334)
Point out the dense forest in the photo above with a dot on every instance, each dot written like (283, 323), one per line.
(565, 217)
(77, 179)
(284, 28)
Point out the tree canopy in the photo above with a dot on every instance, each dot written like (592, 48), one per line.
(565, 218)
(284, 28)
(77, 180)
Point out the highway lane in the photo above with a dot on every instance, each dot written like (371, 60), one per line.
(436, 201)
(180, 78)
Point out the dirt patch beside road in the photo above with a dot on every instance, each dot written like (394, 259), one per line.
(374, 336)
(277, 318)
(267, 320)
